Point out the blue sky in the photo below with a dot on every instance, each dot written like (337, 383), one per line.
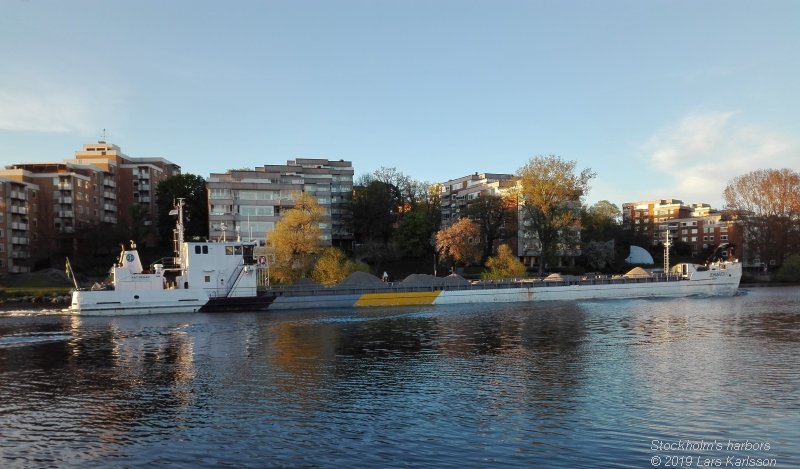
(661, 98)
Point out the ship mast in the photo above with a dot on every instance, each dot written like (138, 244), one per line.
(178, 231)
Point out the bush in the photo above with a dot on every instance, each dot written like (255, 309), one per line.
(503, 265)
(790, 270)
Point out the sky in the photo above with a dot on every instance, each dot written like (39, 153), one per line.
(661, 99)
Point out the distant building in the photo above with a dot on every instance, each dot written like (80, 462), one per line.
(697, 225)
(702, 233)
(135, 179)
(248, 203)
(98, 187)
(18, 203)
(458, 194)
(645, 216)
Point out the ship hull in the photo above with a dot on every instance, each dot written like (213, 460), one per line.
(120, 303)
(519, 293)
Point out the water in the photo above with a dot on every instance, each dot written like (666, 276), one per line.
(593, 384)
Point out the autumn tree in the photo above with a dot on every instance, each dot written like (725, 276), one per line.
(295, 239)
(459, 242)
(551, 194)
(767, 201)
(503, 265)
(332, 267)
(192, 189)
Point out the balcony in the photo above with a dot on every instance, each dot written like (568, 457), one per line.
(66, 229)
(19, 226)
(21, 240)
(19, 209)
(144, 200)
(109, 208)
(65, 214)
(109, 183)
(64, 200)
(110, 220)
(18, 269)
(109, 195)
(144, 187)
(18, 195)
(20, 254)
(64, 186)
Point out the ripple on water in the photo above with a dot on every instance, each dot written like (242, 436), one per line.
(557, 385)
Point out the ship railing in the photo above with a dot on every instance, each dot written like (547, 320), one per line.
(167, 262)
(399, 287)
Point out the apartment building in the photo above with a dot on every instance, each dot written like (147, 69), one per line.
(702, 233)
(18, 205)
(133, 181)
(645, 216)
(458, 194)
(247, 203)
(97, 187)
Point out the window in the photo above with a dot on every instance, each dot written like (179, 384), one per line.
(723, 237)
(257, 211)
(207, 279)
(220, 193)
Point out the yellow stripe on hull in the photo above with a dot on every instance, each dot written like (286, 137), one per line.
(398, 299)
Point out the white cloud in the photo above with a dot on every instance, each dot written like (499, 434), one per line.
(697, 156)
(40, 112)
(41, 106)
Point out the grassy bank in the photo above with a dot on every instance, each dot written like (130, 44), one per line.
(47, 282)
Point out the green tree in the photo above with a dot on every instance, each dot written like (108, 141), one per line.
(790, 270)
(490, 212)
(332, 267)
(551, 193)
(600, 222)
(139, 229)
(413, 235)
(503, 265)
(374, 210)
(295, 239)
(460, 242)
(192, 189)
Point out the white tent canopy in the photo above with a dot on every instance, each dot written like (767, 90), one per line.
(639, 255)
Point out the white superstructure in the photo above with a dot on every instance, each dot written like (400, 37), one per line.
(202, 271)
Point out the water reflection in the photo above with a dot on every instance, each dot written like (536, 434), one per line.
(559, 384)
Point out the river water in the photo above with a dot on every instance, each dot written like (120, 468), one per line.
(628, 383)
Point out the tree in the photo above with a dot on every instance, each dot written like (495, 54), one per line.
(599, 255)
(192, 189)
(459, 242)
(551, 193)
(767, 201)
(139, 230)
(374, 210)
(295, 239)
(413, 235)
(332, 267)
(490, 213)
(600, 222)
(790, 270)
(503, 265)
